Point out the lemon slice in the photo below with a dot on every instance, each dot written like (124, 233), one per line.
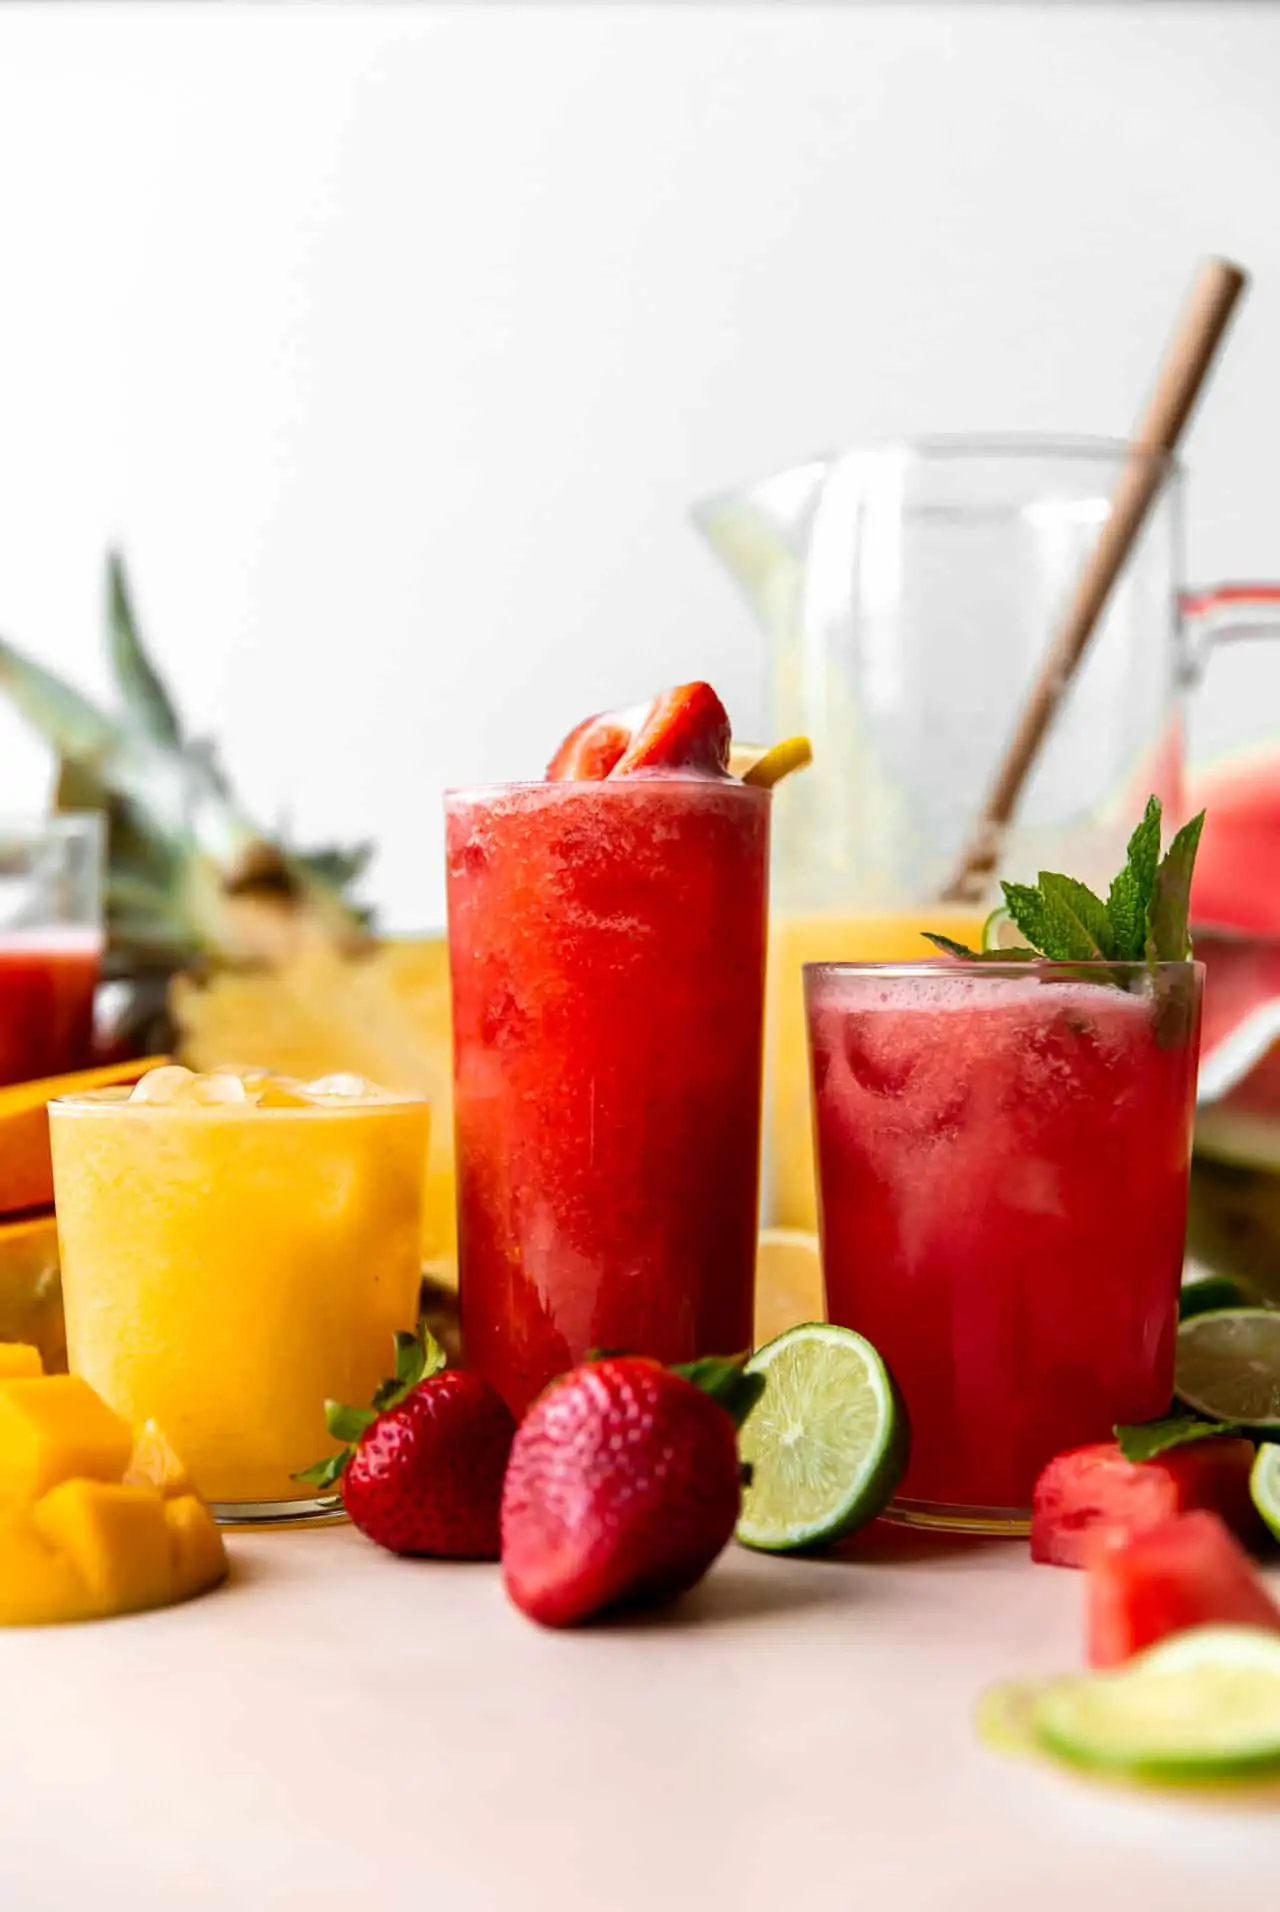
(755, 765)
(788, 1281)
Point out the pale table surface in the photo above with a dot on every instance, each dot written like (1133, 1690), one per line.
(339, 1729)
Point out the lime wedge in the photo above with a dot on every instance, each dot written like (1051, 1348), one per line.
(1228, 1365)
(1005, 1716)
(827, 1442)
(1205, 1705)
(1264, 1485)
(1208, 1293)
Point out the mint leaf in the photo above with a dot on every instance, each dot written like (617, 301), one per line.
(1026, 906)
(1079, 918)
(1149, 1438)
(1130, 894)
(951, 948)
(1168, 938)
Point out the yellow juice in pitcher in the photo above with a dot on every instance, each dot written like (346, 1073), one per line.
(889, 936)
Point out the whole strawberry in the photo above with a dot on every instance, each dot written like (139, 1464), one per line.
(623, 1485)
(422, 1471)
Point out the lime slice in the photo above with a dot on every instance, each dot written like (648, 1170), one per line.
(1264, 1485)
(1228, 1365)
(1005, 1716)
(826, 1443)
(1208, 1293)
(999, 931)
(1205, 1705)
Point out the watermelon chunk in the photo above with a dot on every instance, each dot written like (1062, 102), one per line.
(1096, 1491)
(1187, 1572)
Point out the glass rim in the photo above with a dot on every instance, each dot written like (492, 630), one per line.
(930, 968)
(62, 823)
(699, 780)
(95, 1101)
(1082, 446)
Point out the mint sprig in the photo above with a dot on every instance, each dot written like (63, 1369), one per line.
(1144, 918)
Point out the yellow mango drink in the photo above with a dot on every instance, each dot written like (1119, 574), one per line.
(236, 1250)
(887, 936)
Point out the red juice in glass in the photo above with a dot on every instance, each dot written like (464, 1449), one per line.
(607, 942)
(1003, 1158)
(47, 984)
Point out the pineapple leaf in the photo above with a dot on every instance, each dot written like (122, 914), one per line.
(67, 721)
(145, 698)
(335, 867)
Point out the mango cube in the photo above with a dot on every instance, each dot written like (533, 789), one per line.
(93, 1521)
(57, 1429)
(153, 1463)
(114, 1537)
(19, 1361)
(197, 1555)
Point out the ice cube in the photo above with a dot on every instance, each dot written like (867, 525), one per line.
(211, 1090)
(342, 1088)
(167, 1084)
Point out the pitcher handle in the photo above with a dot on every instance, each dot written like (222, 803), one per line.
(1225, 614)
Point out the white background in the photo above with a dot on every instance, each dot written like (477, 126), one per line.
(392, 342)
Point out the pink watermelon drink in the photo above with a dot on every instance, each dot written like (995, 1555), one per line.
(1003, 1156)
(606, 936)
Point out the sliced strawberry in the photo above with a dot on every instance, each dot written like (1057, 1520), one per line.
(1187, 1572)
(593, 747)
(1096, 1491)
(684, 729)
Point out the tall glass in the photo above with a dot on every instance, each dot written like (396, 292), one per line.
(909, 594)
(607, 946)
(1003, 1154)
(50, 943)
(229, 1267)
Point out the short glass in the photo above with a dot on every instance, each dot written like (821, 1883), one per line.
(50, 943)
(227, 1269)
(1003, 1153)
(607, 948)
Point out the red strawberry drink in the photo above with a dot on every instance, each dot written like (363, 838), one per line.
(606, 938)
(1003, 1161)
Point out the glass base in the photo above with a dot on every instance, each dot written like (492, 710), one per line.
(1011, 1523)
(315, 1510)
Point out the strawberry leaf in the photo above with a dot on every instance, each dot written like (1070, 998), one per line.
(347, 1423)
(325, 1473)
(722, 1377)
(1145, 1440)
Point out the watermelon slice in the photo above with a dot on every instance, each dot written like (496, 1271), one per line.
(1187, 1572)
(685, 729)
(1094, 1491)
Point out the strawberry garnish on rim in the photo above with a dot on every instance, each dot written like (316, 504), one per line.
(684, 729)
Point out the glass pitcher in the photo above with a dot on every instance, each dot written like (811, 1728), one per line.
(909, 593)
